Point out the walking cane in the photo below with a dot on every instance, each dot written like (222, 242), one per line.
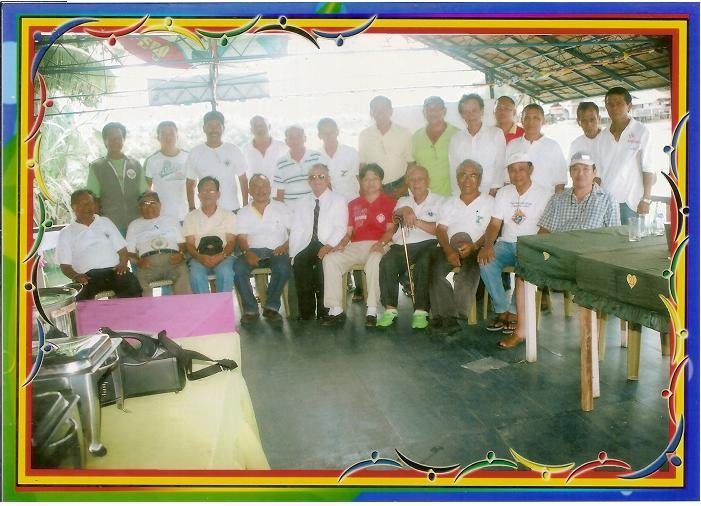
(408, 267)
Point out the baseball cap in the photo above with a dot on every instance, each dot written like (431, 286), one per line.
(518, 157)
(582, 157)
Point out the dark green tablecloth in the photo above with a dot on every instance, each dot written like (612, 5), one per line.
(550, 259)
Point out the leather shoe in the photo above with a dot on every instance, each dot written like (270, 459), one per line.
(370, 321)
(249, 318)
(333, 320)
(271, 314)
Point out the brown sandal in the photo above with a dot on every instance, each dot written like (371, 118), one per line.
(496, 325)
(511, 342)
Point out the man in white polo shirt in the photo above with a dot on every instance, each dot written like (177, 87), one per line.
(92, 252)
(156, 244)
(461, 225)
(625, 164)
(262, 229)
(263, 152)
(518, 206)
(218, 159)
(342, 160)
(388, 145)
(165, 172)
(481, 143)
(292, 170)
(549, 164)
(588, 120)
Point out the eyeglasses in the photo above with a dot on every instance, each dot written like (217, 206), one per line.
(321, 177)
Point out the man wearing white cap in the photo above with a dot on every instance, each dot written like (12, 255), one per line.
(518, 207)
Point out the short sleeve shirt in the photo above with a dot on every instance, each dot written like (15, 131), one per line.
(471, 218)
(199, 225)
(487, 147)
(343, 168)
(145, 235)
(391, 151)
(259, 163)
(520, 214)
(267, 230)
(427, 211)
(584, 143)
(87, 247)
(226, 163)
(168, 174)
(549, 164)
(369, 219)
(564, 212)
(434, 158)
(292, 175)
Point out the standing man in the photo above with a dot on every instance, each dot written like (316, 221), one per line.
(505, 118)
(263, 152)
(388, 145)
(292, 170)
(320, 220)
(92, 252)
(624, 151)
(588, 120)
(165, 172)
(518, 207)
(369, 231)
(116, 180)
(156, 244)
(429, 145)
(549, 164)
(462, 222)
(480, 143)
(342, 160)
(220, 160)
(262, 234)
(418, 213)
(210, 237)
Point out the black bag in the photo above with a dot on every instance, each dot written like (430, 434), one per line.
(153, 366)
(210, 245)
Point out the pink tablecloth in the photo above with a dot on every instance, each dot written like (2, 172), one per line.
(178, 315)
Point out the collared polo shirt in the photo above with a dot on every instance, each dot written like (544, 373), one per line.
(168, 175)
(434, 157)
(391, 151)
(145, 235)
(471, 218)
(369, 219)
(520, 214)
(515, 132)
(292, 175)
(487, 147)
(549, 164)
(87, 247)
(199, 225)
(564, 212)
(267, 230)
(623, 162)
(584, 143)
(333, 220)
(343, 167)
(259, 163)
(428, 210)
(226, 163)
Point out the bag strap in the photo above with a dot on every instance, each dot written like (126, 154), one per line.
(185, 358)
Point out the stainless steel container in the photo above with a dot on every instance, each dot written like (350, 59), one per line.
(59, 304)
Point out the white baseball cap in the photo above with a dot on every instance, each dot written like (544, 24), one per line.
(582, 157)
(518, 157)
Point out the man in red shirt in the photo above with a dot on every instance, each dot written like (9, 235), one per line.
(505, 118)
(370, 230)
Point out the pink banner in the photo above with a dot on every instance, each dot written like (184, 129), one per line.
(178, 315)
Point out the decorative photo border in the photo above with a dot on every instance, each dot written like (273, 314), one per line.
(494, 476)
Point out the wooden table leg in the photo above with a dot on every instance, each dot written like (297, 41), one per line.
(596, 392)
(530, 316)
(601, 324)
(664, 343)
(624, 334)
(585, 358)
(634, 330)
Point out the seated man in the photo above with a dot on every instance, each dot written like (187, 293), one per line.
(518, 206)
(320, 219)
(370, 229)
(262, 233)
(92, 252)
(461, 225)
(156, 243)
(418, 213)
(210, 239)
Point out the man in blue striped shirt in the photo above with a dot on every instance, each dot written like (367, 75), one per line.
(292, 170)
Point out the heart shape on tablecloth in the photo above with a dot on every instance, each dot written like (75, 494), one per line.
(632, 280)
(546, 255)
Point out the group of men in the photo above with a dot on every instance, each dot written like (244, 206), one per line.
(440, 200)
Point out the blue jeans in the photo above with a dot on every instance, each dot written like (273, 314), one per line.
(626, 213)
(224, 272)
(280, 267)
(505, 255)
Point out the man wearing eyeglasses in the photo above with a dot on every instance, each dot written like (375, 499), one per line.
(320, 218)
(210, 237)
(156, 244)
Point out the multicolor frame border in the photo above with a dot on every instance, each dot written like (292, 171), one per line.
(412, 480)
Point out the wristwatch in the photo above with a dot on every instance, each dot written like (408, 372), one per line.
(647, 201)
(244, 252)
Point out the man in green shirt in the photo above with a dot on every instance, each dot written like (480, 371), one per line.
(429, 145)
(116, 180)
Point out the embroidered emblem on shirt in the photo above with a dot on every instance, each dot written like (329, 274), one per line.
(131, 173)
(227, 162)
(518, 217)
(159, 242)
(381, 218)
(478, 219)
